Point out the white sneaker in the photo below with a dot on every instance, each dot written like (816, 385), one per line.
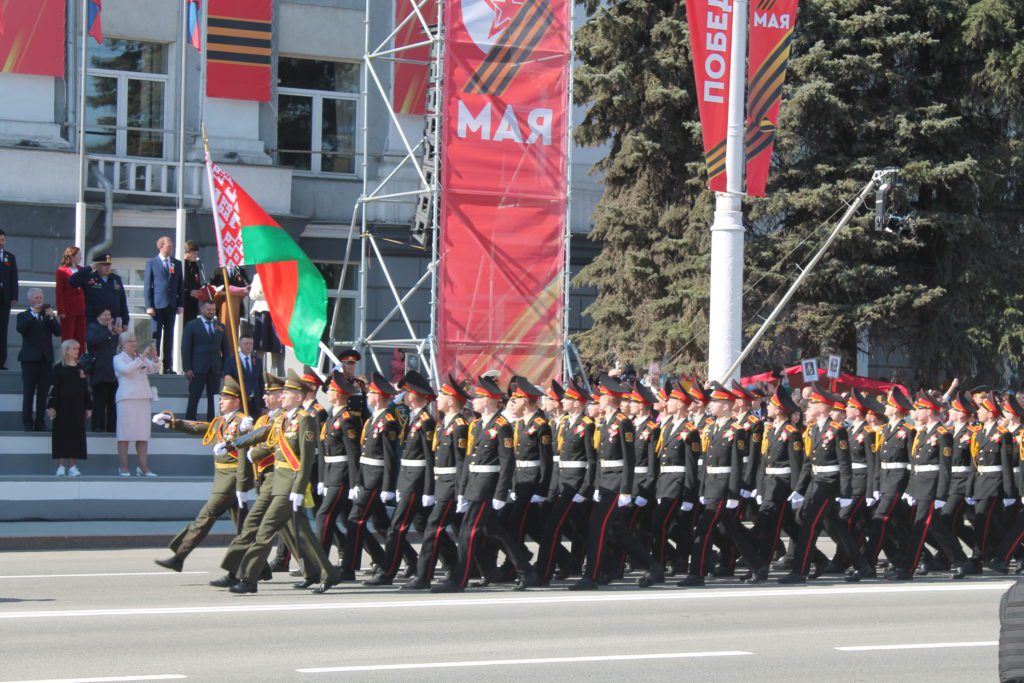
(140, 473)
(73, 472)
(60, 471)
(126, 473)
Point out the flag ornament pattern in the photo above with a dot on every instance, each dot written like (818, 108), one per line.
(194, 35)
(295, 290)
(95, 27)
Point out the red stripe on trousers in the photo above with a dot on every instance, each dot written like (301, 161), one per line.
(885, 525)
(778, 532)
(557, 535)
(402, 528)
(924, 534)
(707, 539)
(441, 524)
(325, 539)
(361, 523)
(810, 538)
(469, 550)
(663, 538)
(600, 539)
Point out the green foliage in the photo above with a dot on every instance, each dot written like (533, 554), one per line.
(935, 87)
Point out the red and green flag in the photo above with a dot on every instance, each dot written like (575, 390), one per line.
(295, 290)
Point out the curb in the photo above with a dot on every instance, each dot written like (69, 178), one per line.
(101, 542)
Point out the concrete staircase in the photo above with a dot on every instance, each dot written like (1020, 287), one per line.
(30, 491)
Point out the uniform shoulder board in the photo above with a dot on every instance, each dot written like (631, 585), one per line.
(501, 420)
(587, 421)
(539, 421)
(689, 426)
(389, 417)
(651, 424)
(790, 428)
(752, 419)
(620, 417)
(345, 415)
(836, 425)
(301, 412)
(424, 416)
(459, 420)
(1002, 429)
(942, 430)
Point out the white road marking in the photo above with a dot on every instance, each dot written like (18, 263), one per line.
(86, 576)
(253, 604)
(518, 662)
(105, 679)
(917, 646)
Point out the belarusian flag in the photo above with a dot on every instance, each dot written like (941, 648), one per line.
(295, 289)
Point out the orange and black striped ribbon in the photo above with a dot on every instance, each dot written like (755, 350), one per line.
(238, 41)
(504, 60)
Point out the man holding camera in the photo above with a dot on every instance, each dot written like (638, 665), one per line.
(37, 325)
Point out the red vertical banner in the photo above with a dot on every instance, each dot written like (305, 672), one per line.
(32, 39)
(504, 192)
(238, 49)
(409, 95)
(710, 24)
(771, 34)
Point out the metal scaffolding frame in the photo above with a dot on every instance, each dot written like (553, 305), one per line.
(377, 57)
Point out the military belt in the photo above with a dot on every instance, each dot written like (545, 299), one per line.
(225, 465)
(926, 468)
(720, 470)
(669, 469)
(612, 463)
(376, 462)
(746, 459)
(446, 470)
(959, 469)
(335, 458)
(859, 465)
(642, 469)
(527, 464)
(895, 465)
(990, 469)
(405, 462)
(778, 470)
(824, 469)
(485, 469)
(572, 465)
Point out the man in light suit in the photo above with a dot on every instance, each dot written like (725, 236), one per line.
(204, 348)
(8, 294)
(252, 373)
(164, 288)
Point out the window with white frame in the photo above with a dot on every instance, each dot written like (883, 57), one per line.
(317, 107)
(126, 98)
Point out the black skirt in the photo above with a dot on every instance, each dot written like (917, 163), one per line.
(70, 397)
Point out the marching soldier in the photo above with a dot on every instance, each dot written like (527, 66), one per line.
(415, 469)
(380, 444)
(825, 476)
(961, 415)
(441, 493)
(645, 473)
(782, 458)
(551, 404)
(486, 484)
(992, 453)
(228, 425)
(1015, 527)
(573, 479)
(862, 461)
(930, 463)
(613, 493)
(294, 453)
(337, 459)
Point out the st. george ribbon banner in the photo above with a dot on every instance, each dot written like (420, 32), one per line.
(769, 39)
(504, 189)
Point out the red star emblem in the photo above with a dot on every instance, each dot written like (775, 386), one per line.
(504, 12)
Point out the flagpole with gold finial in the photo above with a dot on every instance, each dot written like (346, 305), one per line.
(232, 313)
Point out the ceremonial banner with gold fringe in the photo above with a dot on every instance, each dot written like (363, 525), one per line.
(504, 190)
(32, 37)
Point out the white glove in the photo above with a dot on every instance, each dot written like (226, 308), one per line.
(220, 448)
(534, 499)
(321, 488)
(1007, 502)
(686, 506)
(461, 504)
(753, 494)
(248, 456)
(512, 496)
(845, 502)
(870, 501)
(939, 504)
(759, 498)
(970, 501)
(876, 495)
(745, 493)
(243, 499)
(640, 501)
(795, 500)
(398, 496)
(624, 499)
(428, 501)
(702, 501)
(387, 496)
(353, 493)
(246, 424)
(497, 504)
(296, 499)
(597, 495)
(732, 504)
(161, 419)
(577, 498)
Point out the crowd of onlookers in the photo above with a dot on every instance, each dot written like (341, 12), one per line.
(100, 381)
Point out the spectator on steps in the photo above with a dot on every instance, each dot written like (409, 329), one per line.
(8, 293)
(71, 300)
(68, 404)
(102, 336)
(134, 402)
(37, 326)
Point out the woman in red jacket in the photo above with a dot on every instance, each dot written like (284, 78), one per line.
(70, 300)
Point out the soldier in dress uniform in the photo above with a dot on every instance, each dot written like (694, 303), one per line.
(295, 437)
(551, 404)
(415, 468)
(782, 457)
(441, 494)
(825, 476)
(678, 450)
(750, 431)
(573, 479)
(102, 288)
(381, 442)
(720, 491)
(486, 483)
(337, 459)
(223, 428)
(930, 462)
(993, 456)
(647, 431)
(890, 476)
(613, 492)
(1015, 526)
(961, 416)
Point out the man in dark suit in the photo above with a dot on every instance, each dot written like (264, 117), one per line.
(37, 326)
(252, 373)
(164, 288)
(8, 294)
(204, 348)
(102, 338)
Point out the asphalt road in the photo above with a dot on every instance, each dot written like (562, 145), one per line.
(113, 615)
